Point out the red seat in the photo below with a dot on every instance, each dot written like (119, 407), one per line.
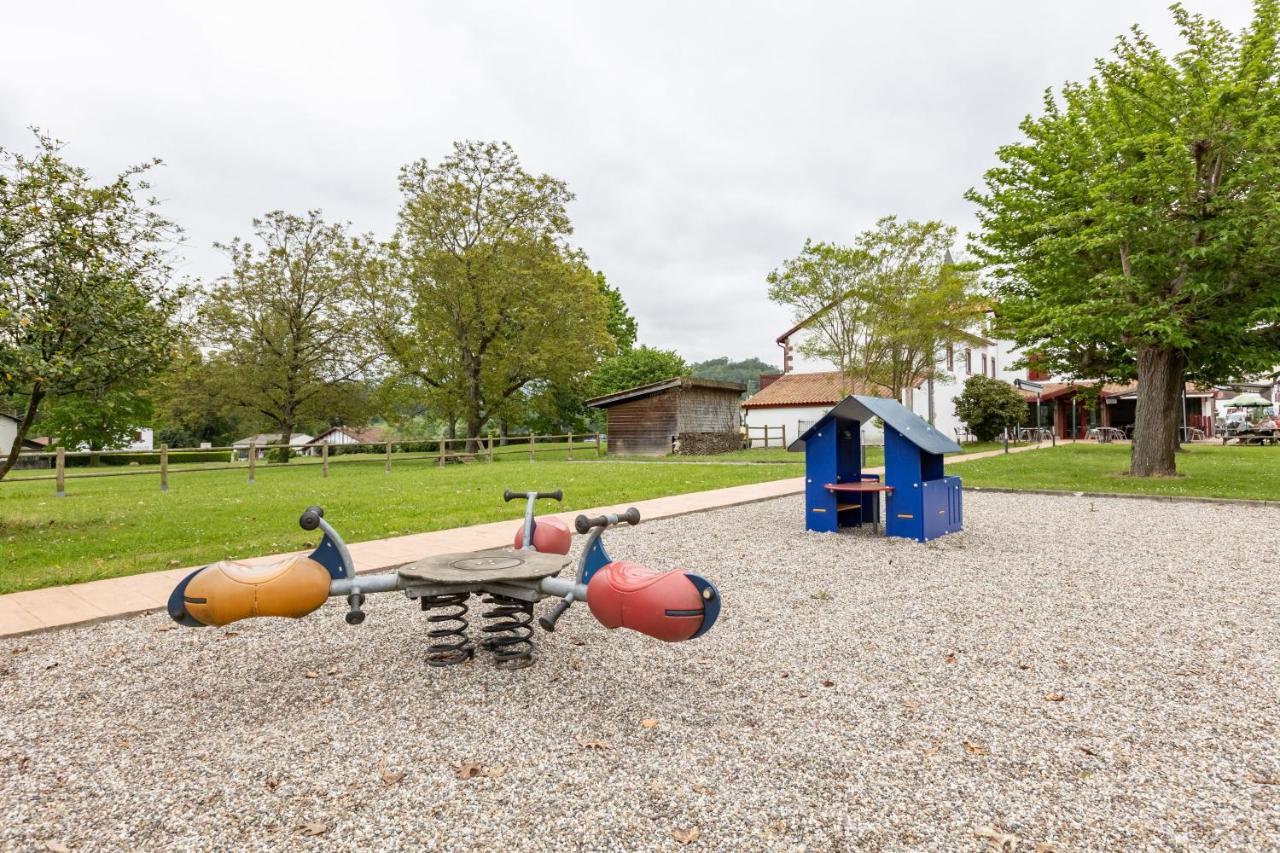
(665, 605)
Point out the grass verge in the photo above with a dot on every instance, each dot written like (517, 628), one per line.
(1206, 470)
(112, 526)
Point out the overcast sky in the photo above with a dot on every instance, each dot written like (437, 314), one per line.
(704, 141)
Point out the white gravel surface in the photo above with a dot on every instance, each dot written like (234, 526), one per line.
(1077, 673)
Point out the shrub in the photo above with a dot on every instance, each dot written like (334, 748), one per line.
(986, 406)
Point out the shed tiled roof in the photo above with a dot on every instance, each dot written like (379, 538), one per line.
(812, 389)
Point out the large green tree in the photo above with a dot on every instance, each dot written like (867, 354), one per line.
(1135, 230)
(639, 366)
(882, 308)
(283, 324)
(480, 294)
(86, 303)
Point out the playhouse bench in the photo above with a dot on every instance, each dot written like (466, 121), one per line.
(855, 487)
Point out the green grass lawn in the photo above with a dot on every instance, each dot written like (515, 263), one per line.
(1207, 471)
(111, 526)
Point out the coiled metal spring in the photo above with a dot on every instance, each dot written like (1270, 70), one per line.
(448, 635)
(507, 635)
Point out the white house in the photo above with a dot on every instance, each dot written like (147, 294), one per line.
(346, 435)
(241, 447)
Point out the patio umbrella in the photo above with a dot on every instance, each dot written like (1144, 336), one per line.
(1247, 401)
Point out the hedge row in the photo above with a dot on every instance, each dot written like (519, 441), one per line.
(148, 458)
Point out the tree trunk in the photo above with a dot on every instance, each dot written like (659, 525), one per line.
(502, 433)
(33, 404)
(1155, 429)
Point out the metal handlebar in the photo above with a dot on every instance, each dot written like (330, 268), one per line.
(584, 524)
(557, 495)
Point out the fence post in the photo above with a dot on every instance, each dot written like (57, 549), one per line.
(490, 454)
(444, 442)
(570, 447)
(164, 467)
(597, 445)
(530, 446)
(253, 459)
(60, 482)
(784, 436)
(387, 466)
(324, 459)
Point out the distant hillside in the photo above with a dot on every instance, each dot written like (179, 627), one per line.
(747, 371)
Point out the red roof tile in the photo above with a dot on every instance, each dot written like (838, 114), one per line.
(812, 389)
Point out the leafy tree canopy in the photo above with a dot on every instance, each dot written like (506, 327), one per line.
(87, 307)
(747, 371)
(289, 343)
(640, 366)
(987, 406)
(480, 294)
(1135, 230)
(881, 308)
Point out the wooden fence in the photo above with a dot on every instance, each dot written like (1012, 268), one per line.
(438, 451)
(767, 434)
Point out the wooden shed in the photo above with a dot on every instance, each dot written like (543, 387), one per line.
(681, 415)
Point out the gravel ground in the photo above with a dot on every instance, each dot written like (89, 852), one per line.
(1073, 673)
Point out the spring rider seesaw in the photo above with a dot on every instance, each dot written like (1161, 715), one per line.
(671, 606)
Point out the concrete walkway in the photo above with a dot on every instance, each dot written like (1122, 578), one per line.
(59, 606)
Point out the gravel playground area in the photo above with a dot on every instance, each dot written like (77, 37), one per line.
(1073, 673)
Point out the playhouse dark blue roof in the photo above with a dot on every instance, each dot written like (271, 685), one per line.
(912, 427)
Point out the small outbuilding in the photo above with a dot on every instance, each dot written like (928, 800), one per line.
(681, 415)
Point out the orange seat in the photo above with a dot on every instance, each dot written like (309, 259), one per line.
(226, 592)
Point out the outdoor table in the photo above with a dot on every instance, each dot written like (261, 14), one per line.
(862, 486)
(1254, 436)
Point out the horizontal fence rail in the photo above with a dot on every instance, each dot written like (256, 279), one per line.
(165, 461)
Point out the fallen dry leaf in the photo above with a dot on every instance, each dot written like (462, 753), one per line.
(495, 771)
(469, 770)
(1054, 697)
(169, 627)
(951, 657)
(272, 783)
(649, 723)
(314, 828)
(56, 847)
(703, 789)
(389, 777)
(777, 827)
(226, 634)
(976, 748)
(1087, 751)
(686, 836)
(24, 761)
(577, 642)
(311, 673)
(328, 700)
(20, 649)
(333, 670)
(1045, 847)
(589, 743)
(1259, 779)
(828, 684)
(1006, 842)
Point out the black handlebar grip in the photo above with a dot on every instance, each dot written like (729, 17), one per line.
(557, 495)
(310, 519)
(508, 495)
(548, 623)
(584, 524)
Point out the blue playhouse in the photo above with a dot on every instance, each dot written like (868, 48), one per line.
(921, 502)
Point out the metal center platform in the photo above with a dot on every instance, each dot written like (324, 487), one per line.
(472, 568)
